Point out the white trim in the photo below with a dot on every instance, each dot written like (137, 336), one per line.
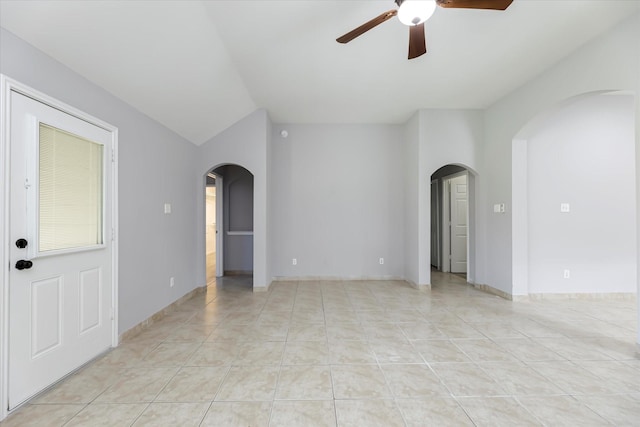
(341, 279)
(114, 234)
(219, 226)
(6, 86)
(4, 232)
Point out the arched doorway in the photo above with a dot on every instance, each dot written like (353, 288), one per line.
(231, 221)
(452, 224)
(573, 196)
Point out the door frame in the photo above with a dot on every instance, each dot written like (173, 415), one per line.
(7, 85)
(446, 220)
(219, 222)
(436, 223)
(219, 225)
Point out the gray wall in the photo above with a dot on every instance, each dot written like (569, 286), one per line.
(411, 173)
(246, 144)
(155, 167)
(609, 62)
(336, 197)
(338, 201)
(448, 137)
(583, 155)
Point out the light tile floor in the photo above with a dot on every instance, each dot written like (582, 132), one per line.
(361, 354)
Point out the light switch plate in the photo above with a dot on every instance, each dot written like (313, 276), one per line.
(565, 207)
(167, 208)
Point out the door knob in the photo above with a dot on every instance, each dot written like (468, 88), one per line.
(23, 265)
(21, 243)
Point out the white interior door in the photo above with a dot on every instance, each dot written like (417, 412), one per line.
(60, 283)
(459, 223)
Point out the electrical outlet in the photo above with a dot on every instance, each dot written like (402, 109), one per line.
(294, 261)
(381, 261)
(567, 274)
(171, 282)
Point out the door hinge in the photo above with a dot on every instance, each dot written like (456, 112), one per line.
(113, 313)
(113, 155)
(113, 235)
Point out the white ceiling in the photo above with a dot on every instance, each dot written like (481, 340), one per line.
(199, 66)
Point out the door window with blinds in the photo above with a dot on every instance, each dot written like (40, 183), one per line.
(70, 192)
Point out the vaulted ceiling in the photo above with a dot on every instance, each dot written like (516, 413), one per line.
(199, 66)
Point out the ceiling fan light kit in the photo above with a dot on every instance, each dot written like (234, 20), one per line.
(414, 13)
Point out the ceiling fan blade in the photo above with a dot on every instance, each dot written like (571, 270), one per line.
(367, 26)
(476, 4)
(417, 41)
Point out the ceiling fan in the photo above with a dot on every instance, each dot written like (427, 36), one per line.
(414, 13)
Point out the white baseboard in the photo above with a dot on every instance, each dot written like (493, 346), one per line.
(559, 296)
(335, 278)
(494, 291)
(589, 296)
(425, 287)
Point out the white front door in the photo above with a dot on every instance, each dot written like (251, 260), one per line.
(459, 223)
(60, 245)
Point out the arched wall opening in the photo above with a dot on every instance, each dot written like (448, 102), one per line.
(234, 222)
(453, 226)
(574, 199)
